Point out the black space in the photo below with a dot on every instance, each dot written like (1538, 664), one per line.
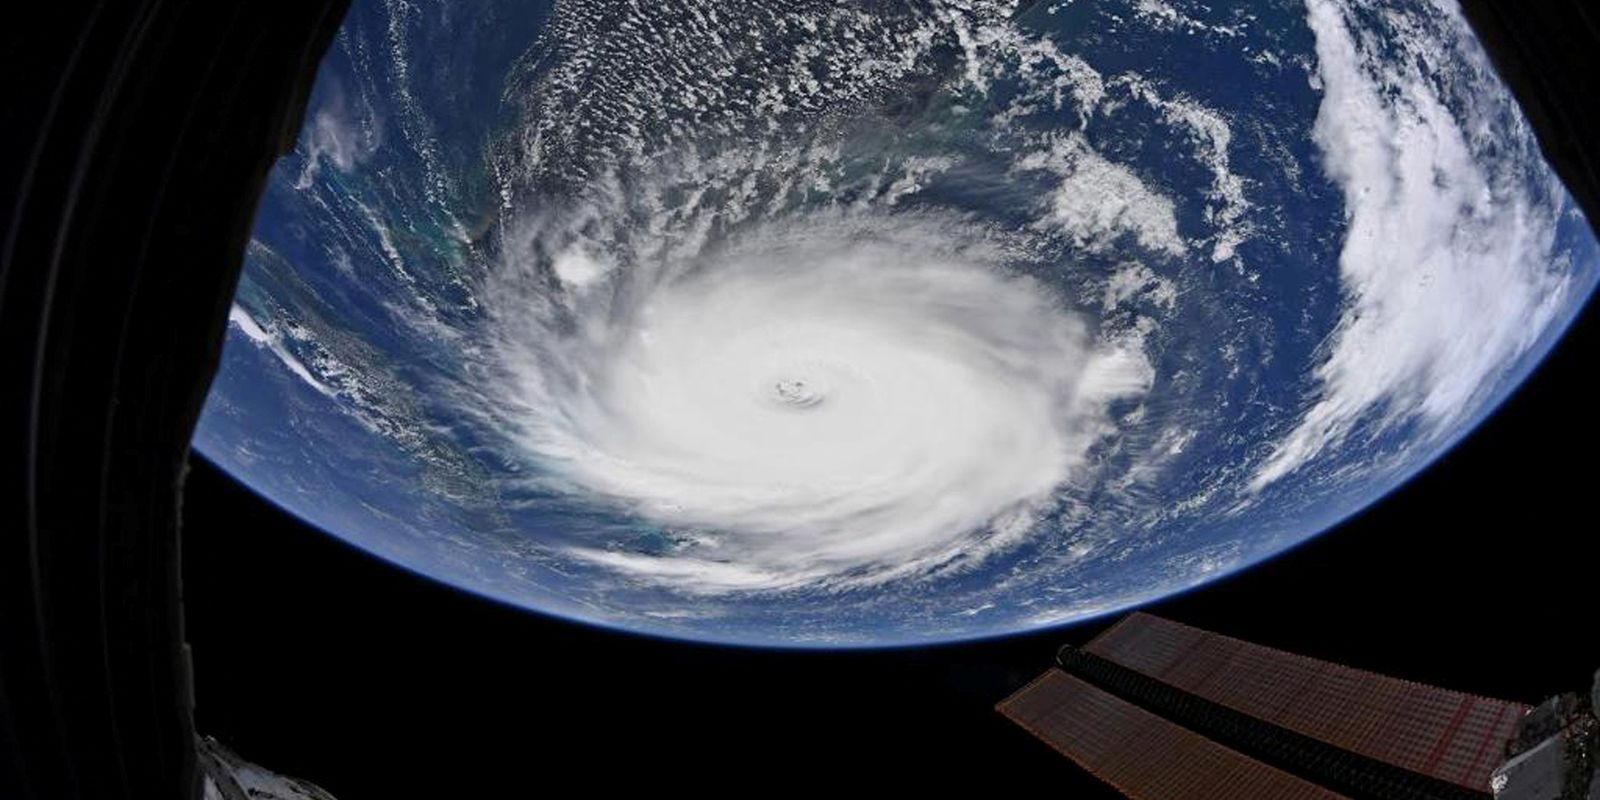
(317, 660)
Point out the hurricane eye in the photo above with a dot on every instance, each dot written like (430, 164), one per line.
(796, 392)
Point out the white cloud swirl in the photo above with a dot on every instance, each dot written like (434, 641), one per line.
(826, 401)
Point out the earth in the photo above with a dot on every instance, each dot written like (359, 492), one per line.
(817, 324)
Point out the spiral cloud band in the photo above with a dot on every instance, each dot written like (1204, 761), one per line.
(815, 405)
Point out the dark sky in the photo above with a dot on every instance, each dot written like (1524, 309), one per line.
(315, 659)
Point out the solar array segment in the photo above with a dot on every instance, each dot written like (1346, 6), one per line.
(1140, 754)
(1448, 735)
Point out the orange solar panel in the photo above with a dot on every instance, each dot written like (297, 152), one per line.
(1451, 736)
(1139, 753)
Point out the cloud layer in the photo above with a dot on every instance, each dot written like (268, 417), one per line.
(1448, 266)
(833, 400)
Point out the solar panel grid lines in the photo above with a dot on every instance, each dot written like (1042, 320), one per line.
(1119, 743)
(1492, 745)
(1436, 732)
(1483, 741)
(1463, 708)
(1296, 753)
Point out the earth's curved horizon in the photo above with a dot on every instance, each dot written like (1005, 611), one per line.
(883, 324)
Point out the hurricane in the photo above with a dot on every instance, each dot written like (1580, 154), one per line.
(817, 324)
(838, 399)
